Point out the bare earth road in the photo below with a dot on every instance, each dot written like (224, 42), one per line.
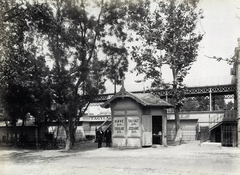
(86, 159)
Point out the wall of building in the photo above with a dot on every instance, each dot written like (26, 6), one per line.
(203, 117)
(126, 127)
(190, 122)
(90, 123)
(7, 133)
(188, 127)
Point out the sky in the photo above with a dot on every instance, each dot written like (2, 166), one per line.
(221, 25)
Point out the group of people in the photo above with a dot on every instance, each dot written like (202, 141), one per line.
(100, 136)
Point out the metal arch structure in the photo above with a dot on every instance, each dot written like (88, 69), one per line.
(227, 91)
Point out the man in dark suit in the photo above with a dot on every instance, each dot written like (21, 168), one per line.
(108, 136)
(99, 137)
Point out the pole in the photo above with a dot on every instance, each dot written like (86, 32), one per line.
(115, 86)
(237, 53)
(143, 87)
(166, 95)
(210, 99)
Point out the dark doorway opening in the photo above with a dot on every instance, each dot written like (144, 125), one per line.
(218, 134)
(157, 129)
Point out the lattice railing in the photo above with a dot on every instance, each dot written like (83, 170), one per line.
(227, 91)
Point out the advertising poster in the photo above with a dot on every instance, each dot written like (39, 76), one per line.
(118, 126)
(133, 127)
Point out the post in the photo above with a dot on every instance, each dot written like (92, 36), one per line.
(115, 85)
(36, 137)
(164, 129)
(222, 138)
(166, 96)
(237, 54)
(234, 134)
(210, 99)
(95, 134)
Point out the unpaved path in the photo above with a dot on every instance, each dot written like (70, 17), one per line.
(86, 159)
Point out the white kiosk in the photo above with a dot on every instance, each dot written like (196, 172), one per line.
(137, 119)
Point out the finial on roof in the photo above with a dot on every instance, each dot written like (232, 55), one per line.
(122, 90)
(123, 82)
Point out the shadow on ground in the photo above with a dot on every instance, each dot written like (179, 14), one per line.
(83, 146)
(20, 155)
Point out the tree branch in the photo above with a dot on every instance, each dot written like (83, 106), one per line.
(97, 33)
(229, 60)
(81, 113)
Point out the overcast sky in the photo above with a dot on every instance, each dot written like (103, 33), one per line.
(222, 28)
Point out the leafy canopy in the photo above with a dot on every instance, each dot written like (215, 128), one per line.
(168, 34)
(83, 42)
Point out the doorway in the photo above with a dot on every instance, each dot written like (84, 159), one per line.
(157, 129)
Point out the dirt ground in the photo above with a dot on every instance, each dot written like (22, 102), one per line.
(87, 159)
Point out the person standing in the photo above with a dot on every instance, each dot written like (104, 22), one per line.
(108, 136)
(99, 137)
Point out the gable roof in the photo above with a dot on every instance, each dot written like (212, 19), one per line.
(145, 99)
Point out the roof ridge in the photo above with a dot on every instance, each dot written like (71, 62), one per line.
(146, 99)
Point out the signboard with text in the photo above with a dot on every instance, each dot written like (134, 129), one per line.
(133, 127)
(118, 126)
(98, 118)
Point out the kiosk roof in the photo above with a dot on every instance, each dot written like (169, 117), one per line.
(145, 99)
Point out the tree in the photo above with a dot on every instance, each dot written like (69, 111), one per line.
(196, 104)
(229, 105)
(23, 73)
(168, 36)
(82, 41)
(190, 105)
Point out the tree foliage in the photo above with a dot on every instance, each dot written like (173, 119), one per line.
(80, 41)
(196, 104)
(22, 73)
(202, 104)
(171, 30)
(167, 30)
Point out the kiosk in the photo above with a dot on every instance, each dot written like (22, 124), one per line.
(138, 119)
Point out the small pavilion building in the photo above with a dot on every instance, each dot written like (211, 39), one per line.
(138, 120)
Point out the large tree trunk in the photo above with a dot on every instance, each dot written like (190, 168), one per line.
(68, 141)
(70, 136)
(178, 136)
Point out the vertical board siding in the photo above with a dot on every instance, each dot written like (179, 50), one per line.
(188, 132)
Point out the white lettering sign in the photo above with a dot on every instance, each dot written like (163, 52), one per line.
(133, 129)
(118, 126)
(99, 118)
